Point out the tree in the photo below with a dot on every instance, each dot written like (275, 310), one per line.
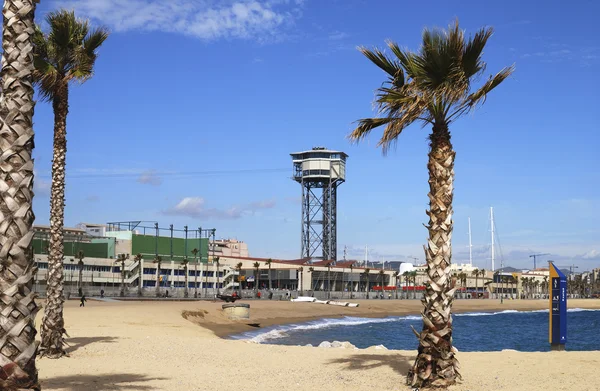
(366, 275)
(311, 270)
(433, 86)
(195, 253)
(300, 271)
(475, 273)
(65, 54)
(238, 267)
(351, 287)
(406, 276)
(268, 263)
(158, 261)
(216, 263)
(256, 266)
(80, 279)
(329, 280)
(122, 258)
(184, 263)
(413, 277)
(381, 275)
(138, 258)
(17, 308)
(396, 274)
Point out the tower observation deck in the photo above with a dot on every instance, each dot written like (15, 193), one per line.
(319, 171)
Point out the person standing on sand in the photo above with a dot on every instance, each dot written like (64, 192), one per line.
(83, 300)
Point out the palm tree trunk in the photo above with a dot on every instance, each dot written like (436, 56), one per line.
(196, 279)
(122, 292)
(53, 324)
(270, 287)
(185, 291)
(435, 364)
(140, 278)
(18, 308)
(157, 279)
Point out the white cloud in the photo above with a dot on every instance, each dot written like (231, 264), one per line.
(204, 19)
(149, 177)
(592, 254)
(195, 207)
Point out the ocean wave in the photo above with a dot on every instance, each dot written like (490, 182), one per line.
(282, 331)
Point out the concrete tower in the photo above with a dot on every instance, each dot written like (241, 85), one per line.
(319, 171)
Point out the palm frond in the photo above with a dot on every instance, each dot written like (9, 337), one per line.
(479, 96)
(391, 67)
(471, 59)
(365, 126)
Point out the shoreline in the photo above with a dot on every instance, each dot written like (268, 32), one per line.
(265, 314)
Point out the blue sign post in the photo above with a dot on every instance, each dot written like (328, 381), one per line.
(557, 330)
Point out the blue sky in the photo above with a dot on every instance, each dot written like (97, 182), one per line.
(183, 88)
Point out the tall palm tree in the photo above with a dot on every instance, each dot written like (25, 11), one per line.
(158, 261)
(381, 274)
(216, 262)
(406, 276)
(138, 258)
(413, 277)
(65, 54)
(256, 266)
(329, 280)
(433, 86)
(396, 274)
(311, 270)
(195, 253)
(351, 287)
(300, 272)
(475, 273)
(366, 275)
(268, 263)
(80, 279)
(185, 262)
(18, 308)
(238, 267)
(122, 258)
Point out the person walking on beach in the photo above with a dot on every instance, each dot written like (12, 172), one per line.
(83, 300)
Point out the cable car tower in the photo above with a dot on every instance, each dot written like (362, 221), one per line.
(319, 171)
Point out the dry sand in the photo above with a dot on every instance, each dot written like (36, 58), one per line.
(121, 346)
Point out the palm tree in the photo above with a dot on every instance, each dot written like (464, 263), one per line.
(158, 261)
(329, 280)
(433, 86)
(366, 275)
(268, 263)
(238, 267)
(66, 54)
(216, 262)
(545, 289)
(351, 287)
(19, 309)
(138, 258)
(256, 266)
(122, 258)
(396, 274)
(300, 271)
(195, 253)
(406, 276)
(475, 273)
(311, 270)
(79, 280)
(413, 277)
(185, 262)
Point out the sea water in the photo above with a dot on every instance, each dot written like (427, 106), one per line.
(525, 331)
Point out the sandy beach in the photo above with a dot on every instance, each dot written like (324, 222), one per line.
(119, 346)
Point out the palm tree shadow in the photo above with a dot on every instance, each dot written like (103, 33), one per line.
(399, 363)
(102, 382)
(77, 343)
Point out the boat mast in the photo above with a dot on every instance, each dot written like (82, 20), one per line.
(492, 223)
(470, 245)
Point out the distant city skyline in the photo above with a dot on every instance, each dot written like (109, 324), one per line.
(195, 106)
